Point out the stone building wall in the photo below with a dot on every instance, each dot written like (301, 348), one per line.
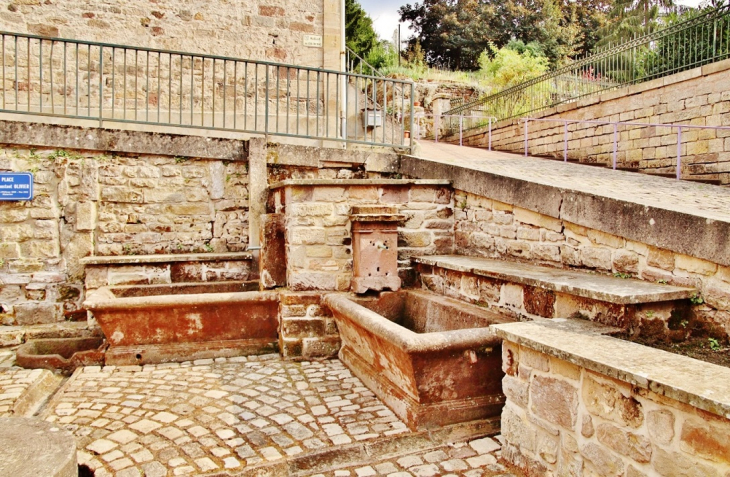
(318, 237)
(489, 228)
(697, 97)
(95, 203)
(562, 419)
(271, 30)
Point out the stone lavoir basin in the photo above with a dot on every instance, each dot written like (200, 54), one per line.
(163, 323)
(432, 359)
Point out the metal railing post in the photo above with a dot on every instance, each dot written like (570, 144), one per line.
(101, 86)
(526, 137)
(490, 133)
(413, 87)
(679, 152)
(615, 145)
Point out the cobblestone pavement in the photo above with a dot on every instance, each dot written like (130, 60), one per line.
(14, 384)
(693, 198)
(231, 416)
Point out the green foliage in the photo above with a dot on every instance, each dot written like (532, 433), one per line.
(714, 344)
(622, 275)
(382, 56)
(359, 34)
(696, 299)
(513, 64)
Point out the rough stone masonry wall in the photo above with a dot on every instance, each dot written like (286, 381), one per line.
(92, 203)
(319, 243)
(698, 97)
(488, 228)
(270, 30)
(561, 419)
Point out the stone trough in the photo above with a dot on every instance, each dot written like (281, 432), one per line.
(61, 354)
(180, 322)
(433, 360)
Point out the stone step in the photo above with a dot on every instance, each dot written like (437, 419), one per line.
(597, 287)
(16, 335)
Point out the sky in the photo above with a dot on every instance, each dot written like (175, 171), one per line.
(384, 14)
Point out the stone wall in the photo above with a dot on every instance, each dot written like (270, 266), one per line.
(271, 30)
(308, 329)
(98, 203)
(318, 238)
(489, 228)
(697, 97)
(563, 419)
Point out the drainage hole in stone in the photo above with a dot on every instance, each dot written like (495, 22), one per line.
(138, 356)
(85, 471)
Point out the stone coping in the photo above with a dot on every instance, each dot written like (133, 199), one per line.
(183, 257)
(702, 385)
(356, 182)
(598, 287)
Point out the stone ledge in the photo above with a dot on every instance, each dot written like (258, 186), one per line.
(598, 287)
(357, 182)
(140, 259)
(702, 385)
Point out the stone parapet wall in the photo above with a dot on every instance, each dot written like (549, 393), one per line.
(489, 228)
(564, 418)
(318, 235)
(698, 97)
(97, 203)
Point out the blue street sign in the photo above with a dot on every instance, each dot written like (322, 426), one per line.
(16, 186)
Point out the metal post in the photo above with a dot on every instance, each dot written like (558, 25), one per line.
(413, 88)
(525, 137)
(615, 144)
(490, 134)
(679, 152)
(101, 86)
(461, 130)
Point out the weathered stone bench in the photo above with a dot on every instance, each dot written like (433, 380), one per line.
(534, 291)
(579, 399)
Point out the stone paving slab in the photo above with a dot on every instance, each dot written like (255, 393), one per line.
(232, 416)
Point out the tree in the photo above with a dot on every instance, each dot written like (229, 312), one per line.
(359, 34)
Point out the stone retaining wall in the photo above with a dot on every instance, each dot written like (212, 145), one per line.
(96, 203)
(564, 419)
(698, 97)
(307, 329)
(488, 228)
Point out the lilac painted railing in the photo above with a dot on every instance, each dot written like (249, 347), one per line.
(615, 125)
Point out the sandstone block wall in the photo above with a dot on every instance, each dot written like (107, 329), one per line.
(95, 203)
(318, 238)
(308, 329)
(697, 97)
(488, 228)
(561, 419)
(270, 30)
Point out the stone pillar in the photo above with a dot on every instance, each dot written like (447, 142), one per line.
(257, 191)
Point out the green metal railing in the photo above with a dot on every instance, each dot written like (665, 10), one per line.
(123, 84)
(700, 40)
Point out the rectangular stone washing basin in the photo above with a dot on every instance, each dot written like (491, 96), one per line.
(432, 359)
(180, 322)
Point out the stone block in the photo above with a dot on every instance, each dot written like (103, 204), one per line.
(511, 296)
(329, 194)
(554, 400)
(595, 257)
(414, 239)
(564, 368)
(9, 251)
(422, 194)
(320, 347)
(695, 265)
(310, 210)
(604, 463)
(634, 446)
(307, 236)
(547, 447)
(272, 257)
(539, 220)
(539, 301)
(38, 313)
(660, 259)
(516, 429)
(612, 401)
(669, 463)
(305, 299)
(303, 281)
(707, 439)
(516, 390)
(660, 425)
(364, 193)
(625, 261)
(121, 194)
(303, 327)
(85, 216)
